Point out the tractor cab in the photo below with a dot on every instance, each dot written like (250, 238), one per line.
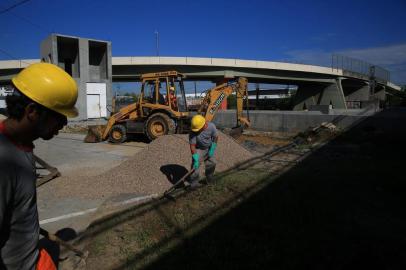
(163, 91)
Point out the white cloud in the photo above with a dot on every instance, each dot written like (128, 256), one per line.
(385, 56)
(392, 58)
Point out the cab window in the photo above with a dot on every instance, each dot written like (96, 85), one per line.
(149, 92)
(162, 91)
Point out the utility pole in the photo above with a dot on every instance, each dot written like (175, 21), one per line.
(257, 96)
(157, 42)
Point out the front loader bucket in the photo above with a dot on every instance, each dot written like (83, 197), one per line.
(94, 133)
(236, 132)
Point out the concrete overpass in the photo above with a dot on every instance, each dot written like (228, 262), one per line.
(316, 85)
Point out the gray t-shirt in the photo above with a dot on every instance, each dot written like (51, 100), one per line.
(19, 226)
(204, 139)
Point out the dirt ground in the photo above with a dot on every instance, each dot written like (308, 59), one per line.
(148, 225)
(340, 207)
(263, 139)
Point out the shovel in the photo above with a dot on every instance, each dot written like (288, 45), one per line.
(178, 183)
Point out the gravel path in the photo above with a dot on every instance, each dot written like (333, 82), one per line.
(150, 171)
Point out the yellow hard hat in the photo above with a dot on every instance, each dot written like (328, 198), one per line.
(171, 88)
(49, 86)
(198, 122)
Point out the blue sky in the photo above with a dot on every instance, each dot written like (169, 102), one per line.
(303, 31)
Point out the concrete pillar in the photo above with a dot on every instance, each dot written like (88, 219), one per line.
(81, 103)
(319, 94)
(307, 95)
(109, 79)
(257, 96)
(333, 95)
(357, 94)
(380, 93)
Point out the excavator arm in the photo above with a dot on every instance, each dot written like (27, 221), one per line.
(215, 96)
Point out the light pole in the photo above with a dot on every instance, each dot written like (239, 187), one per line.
(157, 42)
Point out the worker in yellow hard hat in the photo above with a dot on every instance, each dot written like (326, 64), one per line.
(203, 142)
(44, 96)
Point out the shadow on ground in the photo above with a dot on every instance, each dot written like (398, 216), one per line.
(340, 208)
(343, 207)
(138, 137)
(53, 248)
(173, 172)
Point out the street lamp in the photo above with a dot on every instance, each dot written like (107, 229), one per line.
(157, 42)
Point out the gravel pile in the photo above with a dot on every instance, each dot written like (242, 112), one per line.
(153, 170)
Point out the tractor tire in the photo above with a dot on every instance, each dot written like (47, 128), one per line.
(118, 134)
(159, 124)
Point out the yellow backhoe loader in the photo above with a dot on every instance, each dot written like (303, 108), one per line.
(161, 109)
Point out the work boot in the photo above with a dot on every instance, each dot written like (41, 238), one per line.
(209, 179)
(195, 185)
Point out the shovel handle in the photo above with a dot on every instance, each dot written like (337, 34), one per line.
(179, 181)
(58, 240)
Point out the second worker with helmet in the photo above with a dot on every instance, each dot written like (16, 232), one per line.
(203, 143)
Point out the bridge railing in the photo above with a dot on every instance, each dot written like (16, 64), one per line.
(359, 68)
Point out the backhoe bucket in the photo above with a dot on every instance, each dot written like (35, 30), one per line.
(94, 133)
(236, 132)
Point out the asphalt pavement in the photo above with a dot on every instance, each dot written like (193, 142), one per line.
(71, 155)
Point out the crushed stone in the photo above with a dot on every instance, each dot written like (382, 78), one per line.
(150, 171)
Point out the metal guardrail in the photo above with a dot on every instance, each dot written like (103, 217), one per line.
(359, 67)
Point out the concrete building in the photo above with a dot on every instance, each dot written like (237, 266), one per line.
(88, 61)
